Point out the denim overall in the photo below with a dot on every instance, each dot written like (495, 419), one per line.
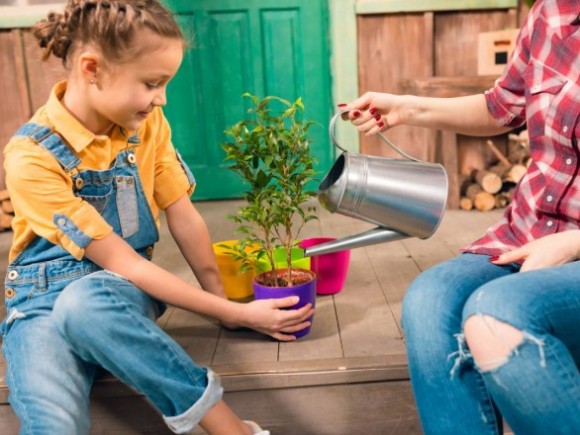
(67, 318)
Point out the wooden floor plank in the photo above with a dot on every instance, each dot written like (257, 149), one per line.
(323, 340)
(394, 269)
(367, 326)
(196, 334)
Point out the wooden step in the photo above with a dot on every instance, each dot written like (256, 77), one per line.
(347, 376)
(361, 397)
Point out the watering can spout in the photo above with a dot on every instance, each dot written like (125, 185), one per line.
(371, 237)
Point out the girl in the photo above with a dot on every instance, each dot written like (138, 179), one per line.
(514, 295)
(87, 177)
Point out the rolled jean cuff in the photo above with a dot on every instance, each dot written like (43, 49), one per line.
(188, 420)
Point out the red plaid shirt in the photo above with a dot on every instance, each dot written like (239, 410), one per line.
(541, 87)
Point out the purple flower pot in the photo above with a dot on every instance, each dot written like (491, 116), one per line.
(306, 292)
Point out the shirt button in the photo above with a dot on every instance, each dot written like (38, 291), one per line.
(549, 198)
(9, 293)
(61, 222)
(565, 128)
(550, 223)
(568, 161)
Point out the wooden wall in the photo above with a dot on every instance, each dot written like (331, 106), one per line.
(26, 82)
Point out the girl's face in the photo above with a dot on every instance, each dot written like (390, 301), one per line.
(126, 93)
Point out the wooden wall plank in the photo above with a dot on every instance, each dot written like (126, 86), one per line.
(42, 75)
(15, 107)
(392, 48)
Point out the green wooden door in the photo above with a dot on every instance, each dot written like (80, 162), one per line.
(265, 47)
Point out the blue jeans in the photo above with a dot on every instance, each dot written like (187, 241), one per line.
(54, 341)
(537, 390)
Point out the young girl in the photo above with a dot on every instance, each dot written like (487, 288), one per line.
(87, 177)
(514, 295)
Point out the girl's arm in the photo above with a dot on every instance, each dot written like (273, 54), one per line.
(465, 115)
(114, 254)
(190, 232)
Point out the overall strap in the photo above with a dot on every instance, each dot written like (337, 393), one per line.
(52, 142)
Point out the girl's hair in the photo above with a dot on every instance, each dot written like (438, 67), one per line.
(110, 26)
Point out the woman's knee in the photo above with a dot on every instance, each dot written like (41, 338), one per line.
(494, 319)
(490, 341)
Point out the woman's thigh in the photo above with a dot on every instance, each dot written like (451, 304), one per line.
(434, 302)
(538, 302)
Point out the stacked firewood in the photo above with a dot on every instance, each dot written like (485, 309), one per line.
(6, 211)
(492, 187)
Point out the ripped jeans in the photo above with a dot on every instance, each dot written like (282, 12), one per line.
(536, 389)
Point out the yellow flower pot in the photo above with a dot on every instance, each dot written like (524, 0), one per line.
(236, 285)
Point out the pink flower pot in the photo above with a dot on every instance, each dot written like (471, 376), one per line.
(331, 269)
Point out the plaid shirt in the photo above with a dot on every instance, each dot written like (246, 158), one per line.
(541, 87)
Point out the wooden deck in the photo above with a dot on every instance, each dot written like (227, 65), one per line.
(348, 376)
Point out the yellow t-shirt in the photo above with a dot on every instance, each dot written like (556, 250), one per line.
(39, 187)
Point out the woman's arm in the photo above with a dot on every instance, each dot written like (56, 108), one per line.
(114, 254)
(190, 232)
(465, 115)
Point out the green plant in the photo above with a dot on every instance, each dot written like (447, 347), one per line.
(270, 151)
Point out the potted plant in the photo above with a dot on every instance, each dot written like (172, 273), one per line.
(270, 151)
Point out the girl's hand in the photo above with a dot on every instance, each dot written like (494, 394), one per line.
(374, 112)
(552, 250)
(266, 316)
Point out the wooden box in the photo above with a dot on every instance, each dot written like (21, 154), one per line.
(494, 51)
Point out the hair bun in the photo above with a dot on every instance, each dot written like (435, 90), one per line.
(52, 35)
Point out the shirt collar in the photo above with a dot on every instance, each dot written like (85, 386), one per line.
(71, 129)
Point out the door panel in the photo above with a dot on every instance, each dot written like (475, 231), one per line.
(265, 47)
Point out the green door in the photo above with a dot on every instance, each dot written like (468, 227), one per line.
(265, 47)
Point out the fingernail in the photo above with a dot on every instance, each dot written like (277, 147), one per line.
(494, 258)
(381, 124)
(373, 110)
(356, 114)
(377, 116)
(341, 104)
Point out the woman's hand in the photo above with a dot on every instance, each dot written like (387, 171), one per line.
(268, 317)
(552, 250)
(374, 112)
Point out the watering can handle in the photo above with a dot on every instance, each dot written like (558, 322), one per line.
(331, 129)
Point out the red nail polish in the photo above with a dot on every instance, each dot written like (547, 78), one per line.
(377, 116)
(381, 124)
(356, 114)
(373, 110)
(494, 258)
(341, 104)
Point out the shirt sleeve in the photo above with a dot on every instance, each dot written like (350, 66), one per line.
(506, 101)
(173, 178)
(41, 193)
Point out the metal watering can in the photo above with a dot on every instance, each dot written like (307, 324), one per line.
(404, 197)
